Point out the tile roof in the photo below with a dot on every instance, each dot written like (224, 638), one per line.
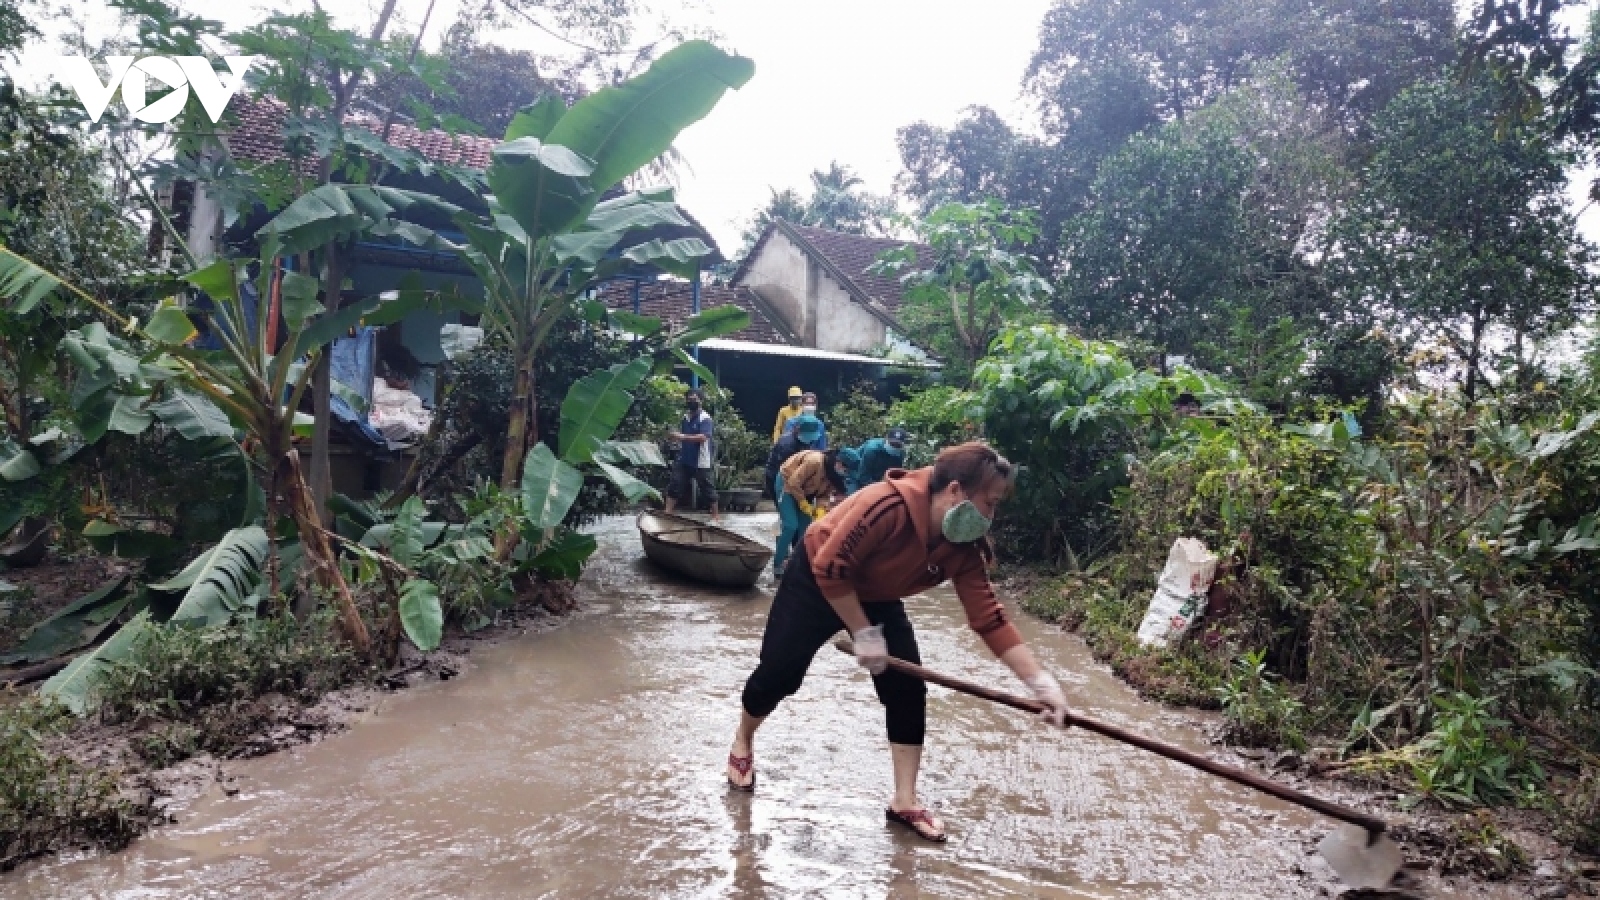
(671, 301)
(259, 137)
(851, 254)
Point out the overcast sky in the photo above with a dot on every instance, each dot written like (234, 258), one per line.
(836, 78)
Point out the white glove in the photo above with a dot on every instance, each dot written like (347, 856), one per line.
(1047, 690)
(872, 652)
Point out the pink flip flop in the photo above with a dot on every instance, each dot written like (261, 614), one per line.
(744, 765)
(911, 818)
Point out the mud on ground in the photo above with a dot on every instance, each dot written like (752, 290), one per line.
(44, 589)
(154, 788)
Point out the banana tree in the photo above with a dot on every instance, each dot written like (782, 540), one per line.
(248, 385)
(549, 238)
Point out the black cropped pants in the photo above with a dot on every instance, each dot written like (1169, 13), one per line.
(801, 621)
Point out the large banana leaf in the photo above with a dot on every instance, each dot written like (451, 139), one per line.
(537, 119)
(680, 257)
(543, 186)
(624, 127)
(17, 463)
(638, 453)
(564, 554)
(710, 323)
(333, 212)
(595, 242)
(192, 415)
(73, 686)
(381, 536)
(631, 487)
(129, 543)
(594, 407)
(405, 538)
(353, 517)
(549, 487)
(23, 284)
(220, 581)
(383, 309)
(78, 624)
(635, 325)
(625, 211)
(693, 365)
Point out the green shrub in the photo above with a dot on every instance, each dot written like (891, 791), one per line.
(48, 800)
(935, 417)
(1050, 600)
(859, 418)
(1471, 757)
(1259, 710)
(178, 673)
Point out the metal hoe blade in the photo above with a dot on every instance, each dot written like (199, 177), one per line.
(1361, 859)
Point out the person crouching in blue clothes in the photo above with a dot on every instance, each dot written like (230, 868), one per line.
(793, 441)
(850, 461)
(792, 518)
(693, 463)
(879, 455)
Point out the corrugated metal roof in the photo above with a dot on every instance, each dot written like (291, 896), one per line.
(732, 346)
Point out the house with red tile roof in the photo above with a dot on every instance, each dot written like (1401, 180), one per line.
(817, 282)
(828, 346)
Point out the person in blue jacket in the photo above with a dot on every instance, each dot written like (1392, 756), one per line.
(808, 407)
(850, 459)
(879, 455)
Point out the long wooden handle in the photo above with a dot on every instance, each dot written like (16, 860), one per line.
(1371, 823)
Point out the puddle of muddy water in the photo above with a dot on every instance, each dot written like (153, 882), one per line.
(587, 761)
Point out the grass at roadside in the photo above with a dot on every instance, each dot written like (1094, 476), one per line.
(1188, 675)
(196, 688)
(47, 799)
(183, 691)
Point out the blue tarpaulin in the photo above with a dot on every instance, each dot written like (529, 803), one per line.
(353, 363)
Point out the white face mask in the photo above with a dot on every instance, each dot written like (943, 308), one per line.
(809, 409)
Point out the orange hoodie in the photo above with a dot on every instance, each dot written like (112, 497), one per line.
(881, 544)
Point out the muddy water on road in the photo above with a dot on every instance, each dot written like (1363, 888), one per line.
(588, 761)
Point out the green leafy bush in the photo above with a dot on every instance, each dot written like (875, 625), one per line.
(1470, 757)
(935, 417)
(859, 418)
(1260, 711)
(739, 449)
(1072, 413)
(48, 800)
(178, 673)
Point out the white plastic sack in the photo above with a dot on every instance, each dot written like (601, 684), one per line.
(1180, 596)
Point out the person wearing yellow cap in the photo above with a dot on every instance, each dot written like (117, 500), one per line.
(785, 413)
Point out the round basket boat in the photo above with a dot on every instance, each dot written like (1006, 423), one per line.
(700, 551)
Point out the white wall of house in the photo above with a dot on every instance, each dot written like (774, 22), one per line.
(843, 325)
(811, 302)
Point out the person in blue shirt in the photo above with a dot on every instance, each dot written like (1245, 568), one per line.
(850, 459)
(808, 407)
(879, 455)
(793, 441)
(695, 452)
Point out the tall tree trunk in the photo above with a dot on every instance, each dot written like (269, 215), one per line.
(523, 428)
(291, 488)
(322, 390)
(1473, 354)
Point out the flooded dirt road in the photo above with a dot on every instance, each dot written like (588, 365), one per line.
(588, 761)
